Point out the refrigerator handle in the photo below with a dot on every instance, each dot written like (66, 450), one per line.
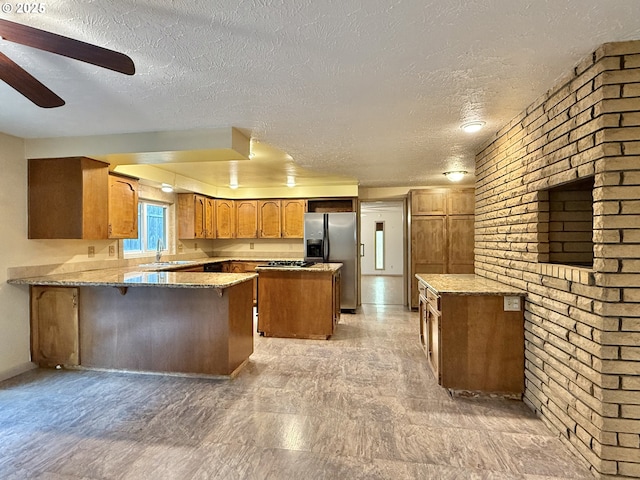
(325, 238)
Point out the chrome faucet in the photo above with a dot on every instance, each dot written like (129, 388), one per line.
(159, 249)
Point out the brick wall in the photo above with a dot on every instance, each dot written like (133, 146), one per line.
(582, 324)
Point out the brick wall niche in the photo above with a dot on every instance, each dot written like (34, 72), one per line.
(582, 313)
(571, 223)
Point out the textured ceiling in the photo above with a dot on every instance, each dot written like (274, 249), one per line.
(372, 89)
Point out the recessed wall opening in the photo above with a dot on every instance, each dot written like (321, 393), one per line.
(571, 223)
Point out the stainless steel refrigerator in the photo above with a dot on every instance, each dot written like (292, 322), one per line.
(332, 238)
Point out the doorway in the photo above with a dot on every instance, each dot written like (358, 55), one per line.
(382, 252)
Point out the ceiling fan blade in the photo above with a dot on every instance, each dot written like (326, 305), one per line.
(15, 76)
(65, 46)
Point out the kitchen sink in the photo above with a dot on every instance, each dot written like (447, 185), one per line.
(167, 264)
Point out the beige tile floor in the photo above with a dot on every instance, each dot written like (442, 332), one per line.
(362, 405)
(382, 289)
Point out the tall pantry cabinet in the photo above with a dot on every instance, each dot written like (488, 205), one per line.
(442, 226)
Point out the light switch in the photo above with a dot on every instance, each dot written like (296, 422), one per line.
(511, 303)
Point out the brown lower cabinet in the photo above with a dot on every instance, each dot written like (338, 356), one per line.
(54, 326)
(471, 342)
(298, 304)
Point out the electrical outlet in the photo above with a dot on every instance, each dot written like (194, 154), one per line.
(180, 247)
(92, 252)
(251, 246)
(195, 246)
(112, 250)
(511, 303)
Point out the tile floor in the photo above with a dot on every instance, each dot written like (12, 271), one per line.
(382, 289)
(362, 405)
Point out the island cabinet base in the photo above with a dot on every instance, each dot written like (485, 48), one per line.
(178, 330)
(298, 304)
(481, 345)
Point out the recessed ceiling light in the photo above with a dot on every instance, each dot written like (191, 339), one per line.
(472, 127)
(455, 176)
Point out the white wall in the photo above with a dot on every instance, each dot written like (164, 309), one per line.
(18, 251)
(391, 213)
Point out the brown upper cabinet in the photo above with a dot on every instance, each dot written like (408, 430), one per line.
(123, 206)
(210, 218)
(70, 198)
(429, 202)
(191, 216)
(225, 219)
(269, 218)
(293, 218)
(246, 218)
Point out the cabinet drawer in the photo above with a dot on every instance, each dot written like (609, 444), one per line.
(422, 289)
(433, 299)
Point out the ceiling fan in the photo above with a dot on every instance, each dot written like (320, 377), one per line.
(18, 78)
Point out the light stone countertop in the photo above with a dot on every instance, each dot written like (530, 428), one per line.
(465, 284)
(316, 267)
(130, 277)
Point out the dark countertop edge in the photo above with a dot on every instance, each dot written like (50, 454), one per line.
(492, 287)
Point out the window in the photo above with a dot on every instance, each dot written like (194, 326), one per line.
(152, 226)
(379, 243)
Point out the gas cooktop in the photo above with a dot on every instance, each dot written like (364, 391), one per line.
(288, 263)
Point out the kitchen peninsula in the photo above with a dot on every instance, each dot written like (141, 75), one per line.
(299, 302)
(132, 319)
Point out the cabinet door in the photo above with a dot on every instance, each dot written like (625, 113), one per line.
(433, 341)
(461, 202)
(461, 242)
(191, 216)
(293, 218)
(225, 219)
(210, 218)
(246, 218)
(428, 249)
(269, 218)
(68, 198)
(54, 326)
(123, 207)
(428, 202)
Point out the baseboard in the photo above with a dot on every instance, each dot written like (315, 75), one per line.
(17, 370)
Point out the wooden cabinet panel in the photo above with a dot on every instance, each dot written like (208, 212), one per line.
(428, 249)
(460, 255)
(428, 202)
(225, 219)
(54, 326)
(123, 206)
(269, 218)
(68, 198)
(298, 304)
(191, 216)
(246, 218)
(442, 233)
(461, 202)
(293, 218)
(210, 218)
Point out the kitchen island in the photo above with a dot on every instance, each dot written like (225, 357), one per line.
(299, 302)
(136, 320)
(472, 332)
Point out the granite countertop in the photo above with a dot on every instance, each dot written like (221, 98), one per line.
(130, 277)
(316, 267)
(466, 284)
